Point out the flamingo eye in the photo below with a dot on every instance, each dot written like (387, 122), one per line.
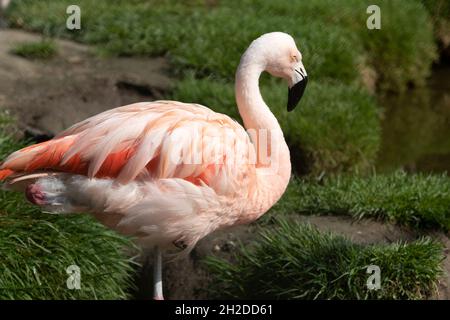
(294, 58)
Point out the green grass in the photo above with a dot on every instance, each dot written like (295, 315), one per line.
(416, 200)
(296, 261)
(36, 248)
(7, 131)
(439, 10)
(43, 49)
(332, 34)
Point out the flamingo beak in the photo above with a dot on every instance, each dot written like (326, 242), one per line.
(297, 85)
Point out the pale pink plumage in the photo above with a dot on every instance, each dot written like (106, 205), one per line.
(118, 166)
(166, 172)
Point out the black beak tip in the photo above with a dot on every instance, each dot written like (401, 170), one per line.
(296, 93)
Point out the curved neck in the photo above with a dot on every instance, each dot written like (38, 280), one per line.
(254, 111)
(258, 118)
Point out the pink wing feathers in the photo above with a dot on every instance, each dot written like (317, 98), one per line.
(161, 139)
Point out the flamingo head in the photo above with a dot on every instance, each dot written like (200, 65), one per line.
(281, 58)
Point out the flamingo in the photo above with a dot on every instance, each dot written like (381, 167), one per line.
(168, 173)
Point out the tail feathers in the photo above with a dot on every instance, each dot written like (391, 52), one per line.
(19, 181)
(5, 173)
(41, 156)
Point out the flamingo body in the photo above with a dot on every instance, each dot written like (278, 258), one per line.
(135, 168)
(166, 172)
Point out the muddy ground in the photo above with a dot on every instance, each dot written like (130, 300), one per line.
(48, 96)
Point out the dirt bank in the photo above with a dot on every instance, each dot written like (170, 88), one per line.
(50, 95)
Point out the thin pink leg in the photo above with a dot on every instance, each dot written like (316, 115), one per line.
(157, 276)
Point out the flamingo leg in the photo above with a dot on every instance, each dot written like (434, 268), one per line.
(157, 276)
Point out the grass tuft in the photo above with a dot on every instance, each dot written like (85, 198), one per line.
(36, 248)
(296, 261)
(416, 200)
(44, 49)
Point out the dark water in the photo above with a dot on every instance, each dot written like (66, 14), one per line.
(416, 127)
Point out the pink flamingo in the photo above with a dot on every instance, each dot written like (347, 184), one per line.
(133, 167)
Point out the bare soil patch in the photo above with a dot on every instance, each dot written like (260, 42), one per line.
(50, 95)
